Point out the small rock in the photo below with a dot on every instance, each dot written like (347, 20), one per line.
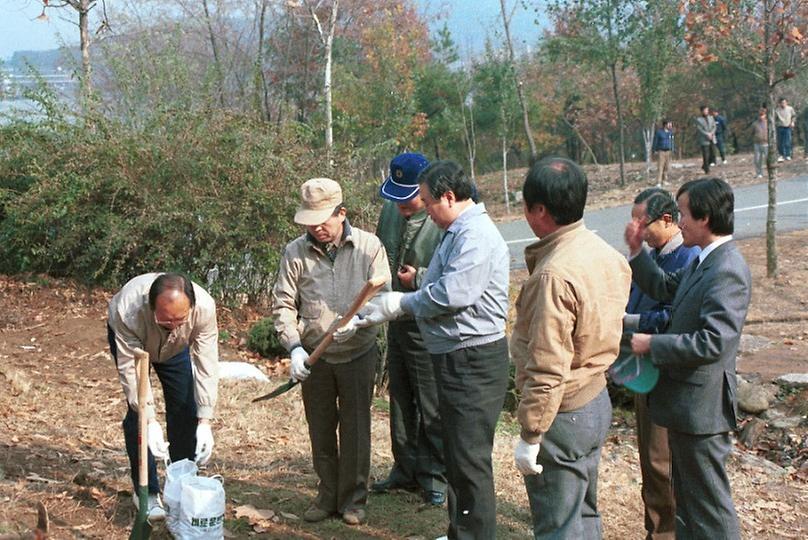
(749, 460)
(772, 414)
(796, 380)
(751, 432)
(753, 398)
(786, 422)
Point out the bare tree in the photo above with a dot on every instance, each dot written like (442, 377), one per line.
(506, 23)
(83, 8)
(327, 39)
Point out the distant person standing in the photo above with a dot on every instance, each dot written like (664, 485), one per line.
(663, 146)
(760, 140)
(784, 118)
(705, 125)
(720, 134)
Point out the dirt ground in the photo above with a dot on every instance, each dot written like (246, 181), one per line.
(61, 443)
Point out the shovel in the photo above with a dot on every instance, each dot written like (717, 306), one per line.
(142, 528)
(368, 291)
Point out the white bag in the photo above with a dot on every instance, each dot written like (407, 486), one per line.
(172, 491)
(202, 505)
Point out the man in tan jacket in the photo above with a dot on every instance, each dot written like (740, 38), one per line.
(320, 274)
(568, 327)
(174, 320)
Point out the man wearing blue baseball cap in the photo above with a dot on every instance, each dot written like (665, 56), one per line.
(410, 237)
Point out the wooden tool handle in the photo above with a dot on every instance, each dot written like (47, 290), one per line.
(142, 367)
(369, 290)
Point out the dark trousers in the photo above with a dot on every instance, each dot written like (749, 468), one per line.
(471, 387)
(177, 379)
(564, 497)
(655, 465)
(707, 157)
(704, 508)
(337, 400)
(719, 142)
(784, 141)
(416, 432)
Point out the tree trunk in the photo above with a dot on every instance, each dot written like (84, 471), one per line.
(260, 93)
(583, 141)
(519, 91)
(469, 136)
(505, 174)
(329, 122)
(619, 106)
(771, 163)
(217, 65)
(327, 40)
(648, 140)
(86, 66)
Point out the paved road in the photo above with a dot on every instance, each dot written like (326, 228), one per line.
(750, 217)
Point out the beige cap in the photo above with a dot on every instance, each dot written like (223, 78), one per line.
(319, 198)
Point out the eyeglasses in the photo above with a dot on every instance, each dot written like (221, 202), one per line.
(173, 323)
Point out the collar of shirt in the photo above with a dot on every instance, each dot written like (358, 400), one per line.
(466, 215)
(675, 241)
(711, 247)
(346, 237)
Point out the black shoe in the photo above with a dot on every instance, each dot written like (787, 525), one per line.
(434, 498)
(383, 486)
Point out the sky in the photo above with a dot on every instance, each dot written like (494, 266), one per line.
(468, 20)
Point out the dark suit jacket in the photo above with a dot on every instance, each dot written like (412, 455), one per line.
(696, 392)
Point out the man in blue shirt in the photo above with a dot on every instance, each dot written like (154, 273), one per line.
(656, 209)
(461, 307)
(663, 146)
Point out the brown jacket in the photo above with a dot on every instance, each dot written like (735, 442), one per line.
(132, 321)
(569, 317)
(311, 291)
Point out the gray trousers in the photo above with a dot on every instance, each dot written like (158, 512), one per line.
(761, 152)
(471, 385)
(564, 497)
(416, 433)
(704, 508)
(337, 399)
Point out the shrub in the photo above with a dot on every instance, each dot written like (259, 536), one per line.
(211, 193)
(263, 339)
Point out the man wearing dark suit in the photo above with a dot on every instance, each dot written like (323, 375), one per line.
(695, 397)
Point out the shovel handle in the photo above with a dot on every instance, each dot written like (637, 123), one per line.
(142, 366)
(369, 290)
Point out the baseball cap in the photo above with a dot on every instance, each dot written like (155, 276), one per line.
(637, 373)
(402, 183)
(319, 197)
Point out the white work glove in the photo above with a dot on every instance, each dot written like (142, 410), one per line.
(382, 308)
(157, 444)
(299, 370)
(204, 443)
(525, 455)
(343, 334)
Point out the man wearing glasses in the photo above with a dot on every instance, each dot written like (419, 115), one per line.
(174, 320)
(656, 210)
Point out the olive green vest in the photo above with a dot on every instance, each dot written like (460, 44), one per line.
(407, 241)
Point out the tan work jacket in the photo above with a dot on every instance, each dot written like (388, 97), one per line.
(312, 291)
(569, 320)
(133, 322)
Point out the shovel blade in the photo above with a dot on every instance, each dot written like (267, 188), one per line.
(142, 528)
(278, 391)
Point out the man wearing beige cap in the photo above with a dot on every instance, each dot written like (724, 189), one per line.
(320, 274)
